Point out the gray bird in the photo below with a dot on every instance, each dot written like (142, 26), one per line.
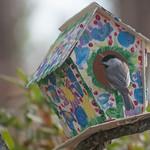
(118, 76)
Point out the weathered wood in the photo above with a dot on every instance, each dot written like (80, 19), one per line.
(98, 140)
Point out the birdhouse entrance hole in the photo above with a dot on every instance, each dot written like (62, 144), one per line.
(98, 67)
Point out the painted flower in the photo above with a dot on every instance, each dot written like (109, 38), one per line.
(82, 55)
(69, 119)
(138, 94)
(136, 77)
(85, 38)
(103, 100)
(101, 34)
(81, 116)
(125, 38)
(53, 93)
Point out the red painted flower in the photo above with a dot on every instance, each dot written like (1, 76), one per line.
(96, 109)
(80, 82)
(60, 108)
(140, 58)
(62, 105)
(81, 26)
(132, 49)
(71, 109)
(112, 99)
(115, 34)
(142, 108)
(105, 20)
(138, 42)
(77, 75)
(135, 103)
(81, 100)
(85, 92)
(110, 37)
(95, 93)
(95, 22)
(94, 103)
(97, 17)
(134, 85)
(90, 44)
(78, 129)
(110, 42)
(117, 25)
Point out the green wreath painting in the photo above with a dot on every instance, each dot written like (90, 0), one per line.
(99, 77)
(110, 51)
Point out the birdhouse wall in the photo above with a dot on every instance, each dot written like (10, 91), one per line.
(71, 99)
(147, 75)
(77, 79)
(106, 37)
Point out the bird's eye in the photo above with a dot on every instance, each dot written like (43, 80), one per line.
(106, 66)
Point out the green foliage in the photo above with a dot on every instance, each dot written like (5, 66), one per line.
(34, 127)
(133, 142)
(7, 138)
(148, 108)
(7, 119)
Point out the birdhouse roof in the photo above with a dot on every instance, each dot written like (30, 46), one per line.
(71, 31)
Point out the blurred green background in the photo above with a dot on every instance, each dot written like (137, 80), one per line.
(27, 29)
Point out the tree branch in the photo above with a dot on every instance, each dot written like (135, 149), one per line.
(128, 126)
(96, 137)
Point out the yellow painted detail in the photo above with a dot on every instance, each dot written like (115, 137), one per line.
(68, 94)
(88, 108)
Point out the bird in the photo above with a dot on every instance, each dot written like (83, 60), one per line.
(118, 76)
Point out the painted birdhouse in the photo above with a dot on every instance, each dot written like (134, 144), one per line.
(95, 71)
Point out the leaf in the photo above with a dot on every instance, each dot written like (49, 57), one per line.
(9, 79)
(148, 108)
(137, 147)
(7, 138)
(35, 93)
(113, 146)
(22, 76)
(35, 118)
(8, 120)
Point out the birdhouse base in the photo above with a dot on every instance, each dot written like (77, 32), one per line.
(108, 131)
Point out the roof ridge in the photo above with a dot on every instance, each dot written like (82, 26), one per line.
(36, 77)
(74, 18)
(91, 7)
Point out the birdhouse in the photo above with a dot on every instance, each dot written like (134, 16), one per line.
(95, 71)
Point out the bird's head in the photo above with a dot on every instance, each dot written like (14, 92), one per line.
(111, 62)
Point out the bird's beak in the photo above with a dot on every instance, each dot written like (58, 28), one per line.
(105, 64)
